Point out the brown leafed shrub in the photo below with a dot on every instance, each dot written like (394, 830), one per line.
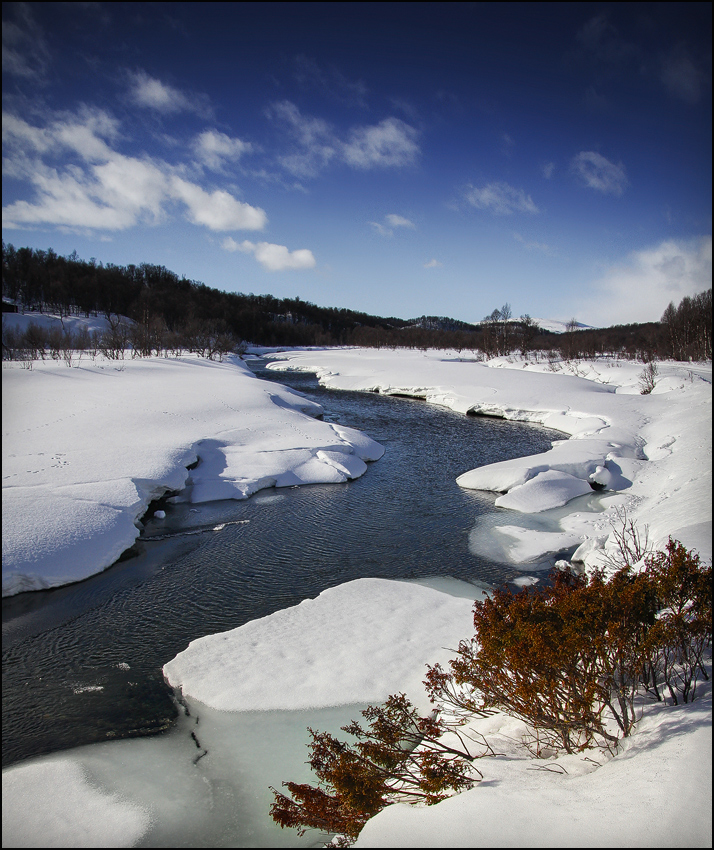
(398, 756)
(570, 658)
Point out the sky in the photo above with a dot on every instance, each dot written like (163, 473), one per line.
(401, 159)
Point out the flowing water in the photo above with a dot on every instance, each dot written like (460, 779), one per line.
(83, 663)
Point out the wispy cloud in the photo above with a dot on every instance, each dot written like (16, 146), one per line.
(601, 39)
(597, 172)
(392, 221)
(400, 221)
(533, 245)
(390, 144)
(150, 93)
(680, 76)
(639, 288)
(432, 264)
(273, 257)
(500, 198)
(213, 149)
(80, 180)
(24, 48)
(547, 170)
(314, 139)
(507, 144)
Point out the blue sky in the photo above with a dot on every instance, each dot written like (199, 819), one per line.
(400, 159)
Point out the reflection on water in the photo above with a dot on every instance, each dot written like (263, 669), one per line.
(83, 663)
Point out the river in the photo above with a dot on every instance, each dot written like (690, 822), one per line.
(82, 664)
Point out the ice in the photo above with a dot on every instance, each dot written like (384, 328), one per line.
(524, 545)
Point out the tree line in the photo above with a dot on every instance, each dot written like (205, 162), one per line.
(171, 311)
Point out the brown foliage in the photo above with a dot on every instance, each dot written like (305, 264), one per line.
(570, 658)
(398, 755)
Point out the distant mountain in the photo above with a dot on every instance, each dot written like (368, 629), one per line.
(550, 325)
(556, 327)
(439, 323)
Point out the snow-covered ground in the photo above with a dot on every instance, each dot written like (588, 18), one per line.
(86, 449)
(358, 642)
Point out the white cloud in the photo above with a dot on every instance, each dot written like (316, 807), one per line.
(640, 288)
(393, 220)
(432, 264)
(213, 148)
(399, 221)
(599, 173)
(217, 210)
(106, 190)
(547, 170)
(151, 93)
(273, 257)
(391, 143)
(500, 198)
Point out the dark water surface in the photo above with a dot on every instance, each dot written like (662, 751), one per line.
(83, 663)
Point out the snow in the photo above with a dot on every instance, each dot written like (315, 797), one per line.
(86, 449)
(549, 489)
(93, 323)
(80, 468)
(350, 645)
(652, 452)
(75, 814)
(655, 792)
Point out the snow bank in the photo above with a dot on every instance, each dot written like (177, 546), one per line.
(354, 643)
(655, 791)
(74, 814)
(86, 449)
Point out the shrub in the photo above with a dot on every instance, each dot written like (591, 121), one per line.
(647, 378)
(683, 629)
(570, 658)
(398, 756)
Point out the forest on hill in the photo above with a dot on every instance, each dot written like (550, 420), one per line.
(170, 312)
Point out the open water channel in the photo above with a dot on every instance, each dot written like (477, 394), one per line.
(82, 664)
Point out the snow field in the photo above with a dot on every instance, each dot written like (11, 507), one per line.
(357, 642)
